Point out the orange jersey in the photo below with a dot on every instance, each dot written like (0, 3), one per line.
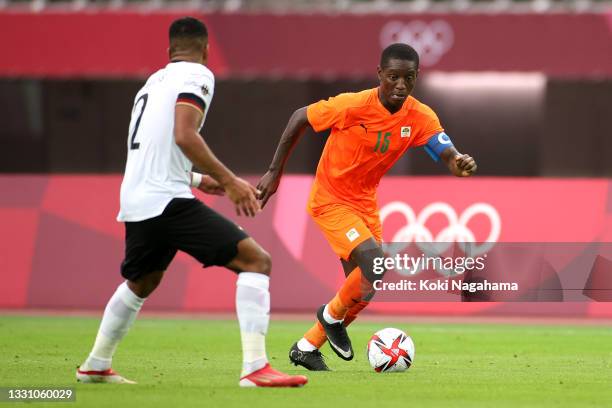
(365, 141)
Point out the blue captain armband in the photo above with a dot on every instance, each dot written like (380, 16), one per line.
(437, 144)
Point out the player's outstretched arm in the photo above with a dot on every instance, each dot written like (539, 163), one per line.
(186, 123)
(206, 184)
(293, 131)
(460, 165)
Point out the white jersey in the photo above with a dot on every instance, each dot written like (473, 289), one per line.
(157, 170)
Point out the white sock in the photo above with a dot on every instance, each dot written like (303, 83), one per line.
(305, 345)
(120, 313)
(253, 310)
(328, 318)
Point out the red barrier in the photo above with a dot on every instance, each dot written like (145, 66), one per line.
(61, 246)
(133, 44)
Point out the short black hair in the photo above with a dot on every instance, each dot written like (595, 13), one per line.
(399, 51)
(187, 32)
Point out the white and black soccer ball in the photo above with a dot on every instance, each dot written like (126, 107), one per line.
(390, 350)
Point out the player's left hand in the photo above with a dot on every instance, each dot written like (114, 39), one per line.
(268, 186)
(465, 165)
(210, 186)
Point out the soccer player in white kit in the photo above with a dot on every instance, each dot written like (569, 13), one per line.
(161, 215)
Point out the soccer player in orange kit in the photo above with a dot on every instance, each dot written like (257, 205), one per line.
(370, 130)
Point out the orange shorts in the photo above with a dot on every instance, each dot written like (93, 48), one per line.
(345, 228)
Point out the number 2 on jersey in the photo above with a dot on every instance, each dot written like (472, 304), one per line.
(133, 144)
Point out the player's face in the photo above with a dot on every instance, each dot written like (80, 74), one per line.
(397, 81)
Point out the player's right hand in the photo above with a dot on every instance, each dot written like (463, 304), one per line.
(268, 186)
(244, 196)
(466, 165)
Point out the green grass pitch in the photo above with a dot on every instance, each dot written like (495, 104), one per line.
(184, 363)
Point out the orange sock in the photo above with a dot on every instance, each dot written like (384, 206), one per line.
(345, 305)
(351, 315)
(338, 309)
(316, 335)
(351, 292)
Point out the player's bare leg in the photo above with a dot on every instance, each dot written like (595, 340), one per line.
(253, 265)
(121, 311)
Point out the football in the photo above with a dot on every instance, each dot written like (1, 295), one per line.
(390, 350)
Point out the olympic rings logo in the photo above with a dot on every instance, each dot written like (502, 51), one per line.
(457, 230)
(430, 40)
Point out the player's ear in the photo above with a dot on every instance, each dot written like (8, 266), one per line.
(169, 55)
(379, 72)
(206, 52)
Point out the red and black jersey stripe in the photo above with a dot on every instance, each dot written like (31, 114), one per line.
(191, 99)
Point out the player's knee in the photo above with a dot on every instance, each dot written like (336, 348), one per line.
(251, 258)
(145, 285)
(364, 256)
(262, 263)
